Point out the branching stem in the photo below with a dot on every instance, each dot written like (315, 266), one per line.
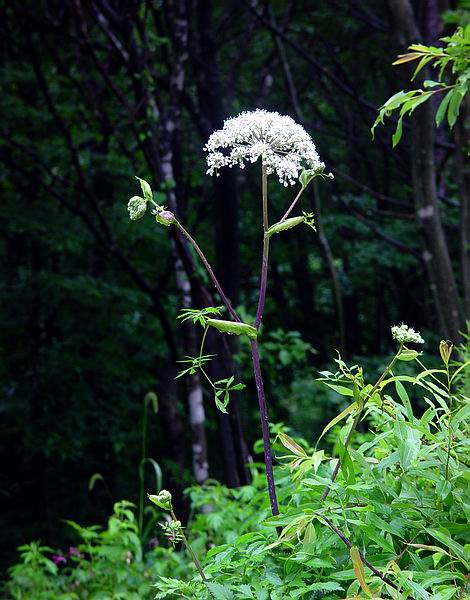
(357, 418)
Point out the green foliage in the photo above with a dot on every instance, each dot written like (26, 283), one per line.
(400, 501)
(104, 565)
(456, 55)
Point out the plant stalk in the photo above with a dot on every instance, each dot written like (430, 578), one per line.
(205, 262)
(349, 544)
(263, 409)
(190, 550)
(357, 418)
(291, 207)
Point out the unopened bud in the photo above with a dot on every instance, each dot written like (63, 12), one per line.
(445, 348)
(286, 224)
(136, 207)
(165, 217)
(162, 500)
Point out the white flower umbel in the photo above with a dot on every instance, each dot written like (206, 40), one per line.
(406, 335)
(284, 146)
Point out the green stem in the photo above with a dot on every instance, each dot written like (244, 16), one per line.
(449, 440)
(190, 550)
(291, 207)
(357, 418)
(142, 467)
(205, 262)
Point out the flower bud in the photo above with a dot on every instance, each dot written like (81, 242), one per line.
(231, 327)
(284, 225)
(445, 348)
(162, 500)
(136, 207)
(165, 217)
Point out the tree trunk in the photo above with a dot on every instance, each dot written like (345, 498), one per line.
(436, 251)
(462, 136)
(178, 20)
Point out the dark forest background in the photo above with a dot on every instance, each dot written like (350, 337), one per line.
(95, 92)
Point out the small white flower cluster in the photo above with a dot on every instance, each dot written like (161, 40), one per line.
(284, 145)
(405, 335)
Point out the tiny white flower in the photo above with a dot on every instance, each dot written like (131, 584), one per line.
(405, 335)
(284, 146)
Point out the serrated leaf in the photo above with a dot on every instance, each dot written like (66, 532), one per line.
(221, 592)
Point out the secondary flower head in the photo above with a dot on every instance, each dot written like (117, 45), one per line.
(405, 335)
(284, 146)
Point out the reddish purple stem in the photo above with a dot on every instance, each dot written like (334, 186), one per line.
(263, 411)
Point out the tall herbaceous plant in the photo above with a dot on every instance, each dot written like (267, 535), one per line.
(284, 149)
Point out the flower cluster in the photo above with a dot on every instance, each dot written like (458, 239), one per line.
(284, 146)
(405, 335)
(173, 530)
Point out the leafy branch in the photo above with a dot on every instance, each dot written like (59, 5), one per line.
(456, 55)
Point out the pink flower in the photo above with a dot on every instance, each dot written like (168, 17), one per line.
(58, 559)
(73, 551)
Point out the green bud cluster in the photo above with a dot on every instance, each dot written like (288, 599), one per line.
(162, 500)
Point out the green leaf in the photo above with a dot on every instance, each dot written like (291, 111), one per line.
(284, 225)
(146, 189)
(231, 327)
(157, 470)
(405, 399)
(396, 137)
(429, 83)
(338, 418)
(292, 445)
(341, 389)
(221, 404)
(359, 569)
(422, 63)
(310, 534)
(347, 465)
(408, 441)
(221, 592)
(461, 415)
(443, 537)
(406, 354)
(151, 398)
(93, 479)
(441, 111)
(454, 106)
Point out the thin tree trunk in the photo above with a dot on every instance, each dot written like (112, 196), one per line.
(227, 238)
(335, 282)
(177, 12)
(462, 135)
